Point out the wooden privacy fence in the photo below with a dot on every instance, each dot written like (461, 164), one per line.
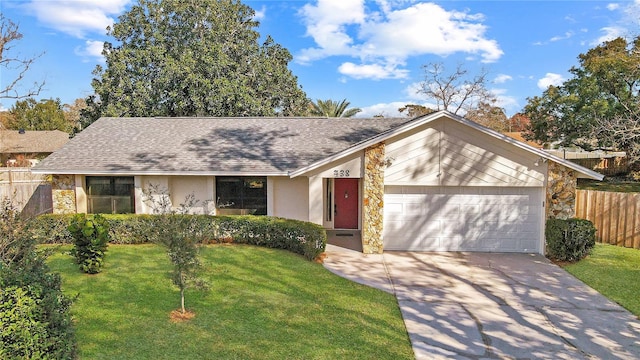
(615, 215)
(30, 193)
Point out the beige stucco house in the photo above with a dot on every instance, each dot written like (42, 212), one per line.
(437, 182)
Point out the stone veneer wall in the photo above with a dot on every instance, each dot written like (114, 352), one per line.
(63, 194)
(373, 199)
(561, 191)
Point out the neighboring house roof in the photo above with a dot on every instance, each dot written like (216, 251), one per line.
(13, 141)
(242, 146)
(209, 146)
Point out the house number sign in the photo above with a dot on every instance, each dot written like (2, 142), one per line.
(341, 173)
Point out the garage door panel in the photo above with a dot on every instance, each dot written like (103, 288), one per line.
(462, 219)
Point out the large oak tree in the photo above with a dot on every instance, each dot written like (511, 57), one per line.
(193, 58)
(598, 106)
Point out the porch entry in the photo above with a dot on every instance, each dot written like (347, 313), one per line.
(346, 203)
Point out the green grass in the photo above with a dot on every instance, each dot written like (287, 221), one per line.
(263, 304)
(613, 271)
(614, 185)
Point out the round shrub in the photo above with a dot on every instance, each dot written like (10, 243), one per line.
(569, 240)
(91, 235)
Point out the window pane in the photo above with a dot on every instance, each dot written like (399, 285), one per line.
(229, 193)
(255, 195)
(122, 205)
(248, 193)
(123, 188)
(99, 205)
(98, 185)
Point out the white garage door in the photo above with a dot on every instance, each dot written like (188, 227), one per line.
(499, 219)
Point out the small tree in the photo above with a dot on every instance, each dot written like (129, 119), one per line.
(182, 247)
(178, 233)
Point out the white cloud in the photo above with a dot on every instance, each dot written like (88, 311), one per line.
(327, 24)
(77, 18)
(412, 91)
(613, 6)
(550, 79)
(91, 49)
(509, 103)
(372, 71)
(502, 78)
(384, 109)
(388, 37)
(566, 35)
(260, 14)
(610, 33)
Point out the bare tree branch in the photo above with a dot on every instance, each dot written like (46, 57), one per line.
(9, 90)
(455, 92)
(622, 133)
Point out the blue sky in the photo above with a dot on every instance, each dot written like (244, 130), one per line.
(369, 52)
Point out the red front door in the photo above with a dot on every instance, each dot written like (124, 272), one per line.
(346, 204)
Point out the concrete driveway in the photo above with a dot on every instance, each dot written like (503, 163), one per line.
(494, 306)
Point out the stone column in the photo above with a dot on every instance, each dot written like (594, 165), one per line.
(373, 199)
(561, 191)
(63, 194)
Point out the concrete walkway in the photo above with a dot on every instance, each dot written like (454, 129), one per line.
(494, 306)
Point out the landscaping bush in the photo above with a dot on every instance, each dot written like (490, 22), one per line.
(569, 240)
(91, 235)
(130, 229)
(300, 237)
(50, 229)
(34, 313)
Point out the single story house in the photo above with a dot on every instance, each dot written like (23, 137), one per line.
(20, 148)
(437, 182)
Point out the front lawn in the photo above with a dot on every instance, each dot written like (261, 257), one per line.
(613, 271)
(262, 304)
(613, 185)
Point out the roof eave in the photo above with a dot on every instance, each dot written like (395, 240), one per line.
(588, 173)
(155, 173)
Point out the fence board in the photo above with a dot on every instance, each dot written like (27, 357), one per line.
(28, 192)
(616, 216)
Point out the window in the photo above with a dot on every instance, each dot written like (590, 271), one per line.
(328, 198)
(110, 195)
(247, 193)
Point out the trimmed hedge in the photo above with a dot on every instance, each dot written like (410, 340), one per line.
(569, 240)
(300, 237)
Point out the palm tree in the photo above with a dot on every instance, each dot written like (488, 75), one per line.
(330, 108)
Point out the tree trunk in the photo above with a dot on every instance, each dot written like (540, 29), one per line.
(182, 300)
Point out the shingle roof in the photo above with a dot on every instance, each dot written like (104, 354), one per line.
(209, 145)
(12, 141)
